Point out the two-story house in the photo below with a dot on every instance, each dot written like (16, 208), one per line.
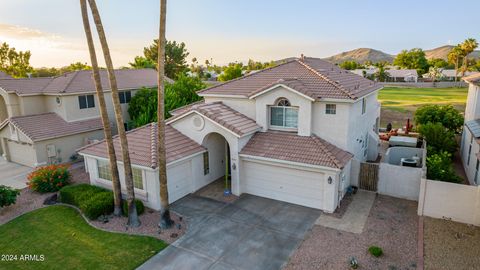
(44, 120)
(470, 146)
(290, 133)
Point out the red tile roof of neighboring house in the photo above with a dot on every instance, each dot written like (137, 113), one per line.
(142, 145)
(80, 82)
(4, 75)
(313, 77)
(40, 127)
(223, 115)
(291, 147)
(474, 78)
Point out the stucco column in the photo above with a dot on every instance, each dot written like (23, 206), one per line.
(330, 192)
(6, 153)
(235, 166)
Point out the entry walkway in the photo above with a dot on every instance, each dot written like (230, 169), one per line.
(355, 217)
(250, 233)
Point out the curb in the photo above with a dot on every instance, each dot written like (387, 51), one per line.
(420, 246)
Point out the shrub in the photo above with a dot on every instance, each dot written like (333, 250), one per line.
(49, 178)
(100, 204)
(138, 204)
(8, 195)
(438, 138)
(93, 201)
(439, 167)
(375, 251)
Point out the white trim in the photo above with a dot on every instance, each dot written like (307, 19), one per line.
(211, 120)
(291, 164)
(282, 85)
(184, 158)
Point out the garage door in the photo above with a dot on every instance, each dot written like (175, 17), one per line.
(179, 180)
(22, 153)
(283, 184)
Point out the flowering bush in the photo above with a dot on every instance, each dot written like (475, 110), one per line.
(49, 178)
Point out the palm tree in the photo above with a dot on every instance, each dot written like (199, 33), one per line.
(454, 57)
(165, 220)
(468, 46)
(132, 209)
(107, 130)
(434, 73)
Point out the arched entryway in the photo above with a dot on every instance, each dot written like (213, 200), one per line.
(3, 109)
(217, 164)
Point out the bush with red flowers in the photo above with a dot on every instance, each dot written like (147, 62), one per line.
(49, 178)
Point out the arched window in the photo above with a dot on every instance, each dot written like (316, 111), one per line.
(283, 115)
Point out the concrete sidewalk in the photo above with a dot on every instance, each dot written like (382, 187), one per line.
(13, 175)
(355, 217)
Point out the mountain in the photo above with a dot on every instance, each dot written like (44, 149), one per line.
(361, 55)
(442, 52)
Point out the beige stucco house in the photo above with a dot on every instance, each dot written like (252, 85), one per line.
(291, 133)
(44, 120)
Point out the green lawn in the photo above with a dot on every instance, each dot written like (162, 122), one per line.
(398, 104)
(66, 241)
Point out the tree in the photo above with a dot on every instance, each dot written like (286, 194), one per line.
(141, 62)
(413, 59)
(380, 75)
(77, 66)
(446, 115)
(434, 74)
(132, 209)
(143, 106)
(454, 57)
(440, 167)
(107, 130)
(468, 46)
(16, 64)
(438, 63)
(438, 138)
(175, 57)
(165, 219)
(234, 70)
(349, 65)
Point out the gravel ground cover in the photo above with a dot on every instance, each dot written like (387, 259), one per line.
(451, 245)
(391, 225)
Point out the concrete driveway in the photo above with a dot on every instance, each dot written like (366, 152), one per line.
(250, 233)
(13, 174)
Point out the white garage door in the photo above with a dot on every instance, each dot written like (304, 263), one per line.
(283, 184)
(179, 180)
(22, 153)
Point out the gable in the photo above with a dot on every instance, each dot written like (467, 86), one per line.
(279, 89)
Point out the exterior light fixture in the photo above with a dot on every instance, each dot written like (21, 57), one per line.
(330, 179)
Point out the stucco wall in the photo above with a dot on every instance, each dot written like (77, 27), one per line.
(458, 202)
(32, 105)
(472, 109)
(331, 127)
(469, 166)
(399, 181)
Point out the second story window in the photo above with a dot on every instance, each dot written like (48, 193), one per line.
(283, 115)
(125, 97)
(87, 101)
(331, 109)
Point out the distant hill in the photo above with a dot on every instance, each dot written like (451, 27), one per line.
(442, 52)
(361, 55)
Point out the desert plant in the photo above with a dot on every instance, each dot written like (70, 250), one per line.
(8, 195)
(375, 251)
(138, 204)
(49, 178)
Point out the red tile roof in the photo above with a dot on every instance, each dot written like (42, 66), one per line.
(80, 82)
(291, 147)
(4, 75)
(142, 144)
(223, 115)
(313, 77)
(40, 127)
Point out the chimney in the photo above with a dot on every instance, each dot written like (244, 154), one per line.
(302, 57)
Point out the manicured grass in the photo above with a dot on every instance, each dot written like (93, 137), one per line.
(400, 98)
(66, 241)
(398, 104)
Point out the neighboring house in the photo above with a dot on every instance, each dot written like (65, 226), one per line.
(290, 133)
(450, 74)
(402, 75)
(370, 72)
(470, 146)
(4, 75)
(44, 120)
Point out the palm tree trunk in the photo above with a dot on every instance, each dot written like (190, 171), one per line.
(107, 130)
(165, 220)
(132, 209)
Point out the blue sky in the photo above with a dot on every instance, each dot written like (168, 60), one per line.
(227, 30)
